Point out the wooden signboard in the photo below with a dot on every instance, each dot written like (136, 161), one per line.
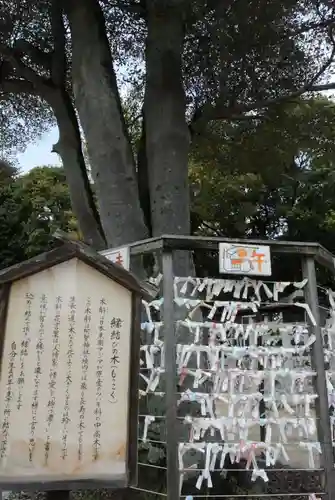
(69, 372)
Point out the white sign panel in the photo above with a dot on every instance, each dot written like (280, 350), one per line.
(245, 259)
(65, 377)
(119, 256)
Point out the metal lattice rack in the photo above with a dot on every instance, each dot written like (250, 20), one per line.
(291, 331)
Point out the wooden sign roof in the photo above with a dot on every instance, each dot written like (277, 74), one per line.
(70, 249)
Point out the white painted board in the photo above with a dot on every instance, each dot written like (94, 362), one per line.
(119, 256)
(244, 259)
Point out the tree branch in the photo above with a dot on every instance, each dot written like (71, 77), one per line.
(207, 225)
(58, 67)
(37, 55)
(322, 87)
(209, 112)
(16, 86)
(21, 68)
(314, 26)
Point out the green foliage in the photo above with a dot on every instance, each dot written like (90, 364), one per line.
(45, 197)
(32, 207)
(269, 178)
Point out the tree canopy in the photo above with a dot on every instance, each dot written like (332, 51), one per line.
(269, 179)
(32, 207)
(191, 67)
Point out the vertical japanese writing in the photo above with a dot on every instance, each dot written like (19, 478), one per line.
(8, 400)
(99, 380)
(53, 375)
(37, 373)
(68, 379)
(24, 346)
(84, 369)
(115, 325)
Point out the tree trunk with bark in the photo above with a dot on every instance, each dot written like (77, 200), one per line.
(99, 108)
(167, 135)
(143, 178)
(69, 148)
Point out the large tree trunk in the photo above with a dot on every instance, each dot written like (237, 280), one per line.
(99, 108)
(167, 135)
(69, 148)
(143, 177)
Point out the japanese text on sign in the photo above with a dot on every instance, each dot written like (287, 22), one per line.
(72, 387)
(118, 256)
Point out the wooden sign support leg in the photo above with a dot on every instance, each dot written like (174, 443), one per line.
(170, 379)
